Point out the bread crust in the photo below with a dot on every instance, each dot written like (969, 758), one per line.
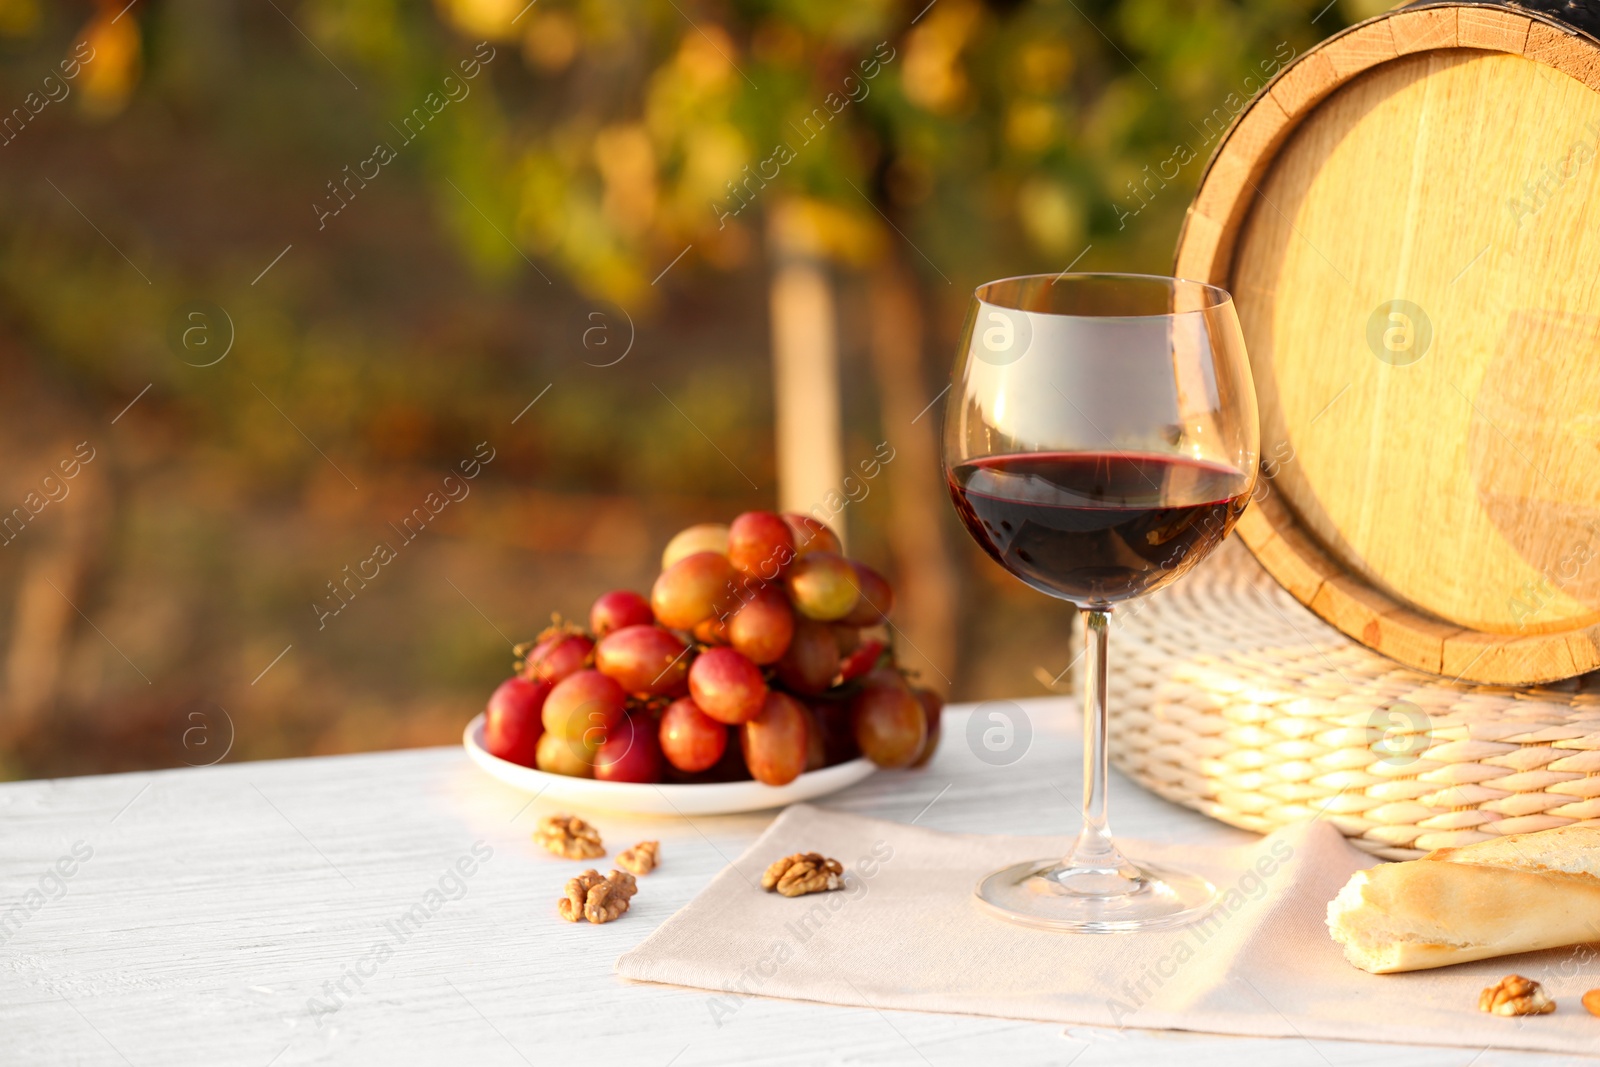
(1456, 905)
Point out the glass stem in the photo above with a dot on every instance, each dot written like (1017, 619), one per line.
(1093, 847)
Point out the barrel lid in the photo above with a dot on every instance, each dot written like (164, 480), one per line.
(1408, 216)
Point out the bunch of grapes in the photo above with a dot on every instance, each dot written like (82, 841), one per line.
(761, 652)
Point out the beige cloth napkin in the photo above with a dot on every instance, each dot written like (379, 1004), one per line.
(905, 932)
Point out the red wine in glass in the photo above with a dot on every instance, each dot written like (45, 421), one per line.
(1101, 437)
(1096, 528)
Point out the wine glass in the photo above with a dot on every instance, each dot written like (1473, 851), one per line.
(1100, 439)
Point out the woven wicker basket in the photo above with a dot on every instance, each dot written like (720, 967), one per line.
(1231, 698)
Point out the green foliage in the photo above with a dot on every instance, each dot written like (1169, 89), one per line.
(999, 137)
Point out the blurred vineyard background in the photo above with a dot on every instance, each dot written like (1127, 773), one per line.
(566, 217)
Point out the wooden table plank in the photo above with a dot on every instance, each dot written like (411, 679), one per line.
(210, 916)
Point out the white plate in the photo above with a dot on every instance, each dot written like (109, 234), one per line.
(713, 798)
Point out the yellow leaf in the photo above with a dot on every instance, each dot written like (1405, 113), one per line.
(111, 63)
(484, 18)
(551, 41)
(933, 76)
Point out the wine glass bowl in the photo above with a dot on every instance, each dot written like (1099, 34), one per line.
(1100, 439)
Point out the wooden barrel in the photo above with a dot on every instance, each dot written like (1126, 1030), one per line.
(1408, 217)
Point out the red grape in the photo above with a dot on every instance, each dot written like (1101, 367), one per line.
(862, 660)
(774, 742)
(822, 586)
(816, 745)
(692, 590)
(630, 753)
(583, 707)
(762, 627)
(838, 736)
(877, 597)
(704, 537)
(932, 709)
(812, 659)
(690, 739)
(557, 656)
(810, 535)
(619, 608)
(560, 756)
(890, 725)
(730, 768)
(727, 686)
(848, 638)
(644, 660)
(760, 544)
(512, 723)
(711, 632)
(886, 675)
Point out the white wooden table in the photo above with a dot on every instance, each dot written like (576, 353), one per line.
(215, 905)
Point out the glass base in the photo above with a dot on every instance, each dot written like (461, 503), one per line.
(1097, 900)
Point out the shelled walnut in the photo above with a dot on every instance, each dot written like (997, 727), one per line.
(569, 836)
(1515, 995)
(641, 858)
(597, 899)
(577, 890)
(802, 873)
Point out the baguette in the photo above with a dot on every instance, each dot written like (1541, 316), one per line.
(1495, 898)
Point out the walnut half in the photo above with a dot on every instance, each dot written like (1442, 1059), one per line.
(577, 890)
(802, 873)
(569, 836)
(641, 858)
(1515, 995)
(597, 899)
